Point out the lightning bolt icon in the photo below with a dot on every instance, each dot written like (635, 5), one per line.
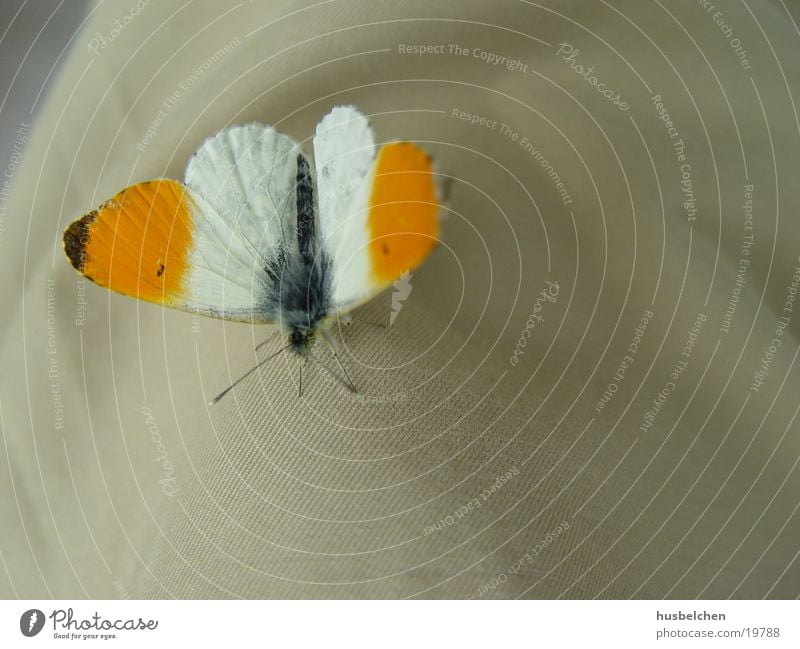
(402, 289)
(32, 621)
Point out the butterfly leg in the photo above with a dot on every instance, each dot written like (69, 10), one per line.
(334, 345)
(244, 376)
(300, 381)
(373, 324)
(347, 319)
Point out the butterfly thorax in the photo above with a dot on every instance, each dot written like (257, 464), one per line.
(303, 302)
(302, 340)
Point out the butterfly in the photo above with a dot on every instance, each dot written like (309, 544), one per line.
(252, 236)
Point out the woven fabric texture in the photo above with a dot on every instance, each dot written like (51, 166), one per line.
(587, 249)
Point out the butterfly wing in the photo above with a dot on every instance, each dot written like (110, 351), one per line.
(378, 208)
(211, 246)
(248, 173)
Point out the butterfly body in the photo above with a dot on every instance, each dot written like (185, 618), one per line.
(298, 289)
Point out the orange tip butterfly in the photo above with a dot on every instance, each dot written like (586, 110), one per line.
(249, 236)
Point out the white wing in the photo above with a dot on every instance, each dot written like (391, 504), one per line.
(344, 154)
(247, 174)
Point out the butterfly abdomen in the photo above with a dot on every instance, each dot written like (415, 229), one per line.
(306, 228)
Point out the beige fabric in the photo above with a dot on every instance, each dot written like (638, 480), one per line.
(459, 474)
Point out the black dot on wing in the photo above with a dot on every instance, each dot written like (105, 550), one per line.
(385, 248)
(160, 270)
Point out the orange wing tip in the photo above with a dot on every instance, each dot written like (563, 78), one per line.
(404, 210)
(137, 243)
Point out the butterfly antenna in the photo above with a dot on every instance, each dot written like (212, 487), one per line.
(244, 376)
(332, 344)
(264, 342)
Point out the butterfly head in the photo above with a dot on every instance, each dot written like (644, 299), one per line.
(302, 340)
